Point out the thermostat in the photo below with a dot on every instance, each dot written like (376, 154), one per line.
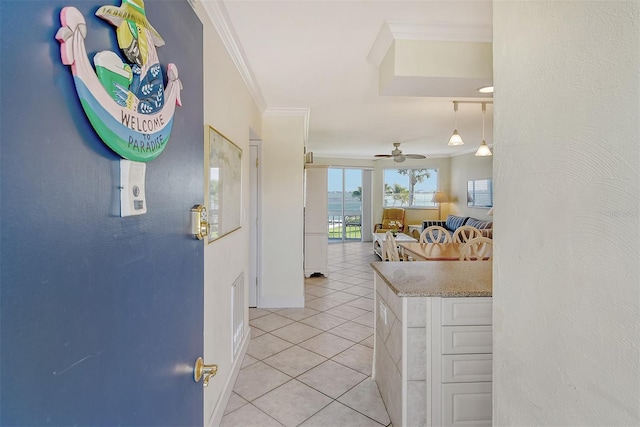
(132, 196)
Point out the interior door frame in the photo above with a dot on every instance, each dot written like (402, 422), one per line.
(255, 213)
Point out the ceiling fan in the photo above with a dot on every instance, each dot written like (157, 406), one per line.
(397, 155)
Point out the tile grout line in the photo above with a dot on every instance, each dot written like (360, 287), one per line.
(360, 259)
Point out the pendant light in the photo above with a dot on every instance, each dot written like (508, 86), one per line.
(483, 150)
(455, 139)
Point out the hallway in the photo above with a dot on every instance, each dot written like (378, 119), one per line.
(312, 366)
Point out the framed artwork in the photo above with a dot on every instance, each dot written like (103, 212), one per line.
(225, 185)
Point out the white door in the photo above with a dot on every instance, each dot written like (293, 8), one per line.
(254, 209)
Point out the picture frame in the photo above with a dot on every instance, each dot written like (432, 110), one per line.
(224, 185)
(480, 193)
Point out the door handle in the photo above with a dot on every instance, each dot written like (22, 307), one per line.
(201, 370)
(199, 224)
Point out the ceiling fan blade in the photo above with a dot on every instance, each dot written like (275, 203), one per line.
(383, 155)
(415, 156)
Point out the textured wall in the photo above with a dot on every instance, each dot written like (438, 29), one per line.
(567, 253)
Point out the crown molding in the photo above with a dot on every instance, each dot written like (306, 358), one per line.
(430, 31)
(292, 112)
(217, 13)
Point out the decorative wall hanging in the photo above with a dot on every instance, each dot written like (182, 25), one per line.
(125, 101)
(225, 185)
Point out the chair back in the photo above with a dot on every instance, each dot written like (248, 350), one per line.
(464, 233)
(393, 218)
(478, 249)
(390, 250)
(435, 234)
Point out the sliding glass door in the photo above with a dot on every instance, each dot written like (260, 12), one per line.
(345, 204)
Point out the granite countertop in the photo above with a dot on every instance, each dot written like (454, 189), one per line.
(437, 278)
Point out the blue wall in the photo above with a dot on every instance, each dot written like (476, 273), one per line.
(101, 316)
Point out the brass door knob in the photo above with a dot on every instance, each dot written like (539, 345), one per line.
(200, 370)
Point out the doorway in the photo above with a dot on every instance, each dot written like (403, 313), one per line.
(254, 219)
(344, 204)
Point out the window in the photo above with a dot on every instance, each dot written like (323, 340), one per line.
(480, 193)
(410, 187)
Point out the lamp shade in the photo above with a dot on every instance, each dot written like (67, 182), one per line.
(440, 197)
(483, 149)
(455, 139)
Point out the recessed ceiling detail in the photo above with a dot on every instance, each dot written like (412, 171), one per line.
(433, 60)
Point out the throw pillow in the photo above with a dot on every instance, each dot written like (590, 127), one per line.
(453, 222)
(479, 224)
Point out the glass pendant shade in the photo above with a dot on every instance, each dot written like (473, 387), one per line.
(484, 150)
(456, 139)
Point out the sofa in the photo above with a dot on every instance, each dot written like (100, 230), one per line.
(454, 221)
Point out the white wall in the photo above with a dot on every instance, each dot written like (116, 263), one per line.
(230, 109)
(282, 212)
(567, 252)
(464, 168)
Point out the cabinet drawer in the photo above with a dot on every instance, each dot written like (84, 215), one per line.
(466, 368)
(466, 404)
(466, 339)
(466, 311)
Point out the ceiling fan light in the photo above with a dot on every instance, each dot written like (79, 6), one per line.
(399, 158)
(455, 139)
(484, 150)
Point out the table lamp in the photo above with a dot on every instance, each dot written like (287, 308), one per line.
(440, 197)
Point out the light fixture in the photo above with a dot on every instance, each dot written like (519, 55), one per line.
(485, 89)
(439, 197)
(483, 150)
(455, 139)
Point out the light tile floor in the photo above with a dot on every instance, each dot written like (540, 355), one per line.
(312, 366)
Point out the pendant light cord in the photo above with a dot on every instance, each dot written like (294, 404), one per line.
(455, 115)
(484, 110)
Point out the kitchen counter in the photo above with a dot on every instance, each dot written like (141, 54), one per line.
(432, 357)
(437, 278)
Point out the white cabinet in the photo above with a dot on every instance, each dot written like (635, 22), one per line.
(466, 368)
(316, 238)
(465, 358)
(433, 358)
(466, 404)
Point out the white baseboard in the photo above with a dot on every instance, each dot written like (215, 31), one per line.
(281, 302)
(218, 412)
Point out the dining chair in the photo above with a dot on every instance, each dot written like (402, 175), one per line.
(477, 249)
(391, 252)
(435, 234)
(465, 233)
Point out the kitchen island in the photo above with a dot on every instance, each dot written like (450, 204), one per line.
(433, 342)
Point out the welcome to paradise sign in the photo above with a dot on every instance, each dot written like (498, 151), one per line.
(126, 102)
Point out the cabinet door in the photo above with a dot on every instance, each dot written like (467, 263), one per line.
(466, 339)
(466, 368)
(466, 311)
(466, 404)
